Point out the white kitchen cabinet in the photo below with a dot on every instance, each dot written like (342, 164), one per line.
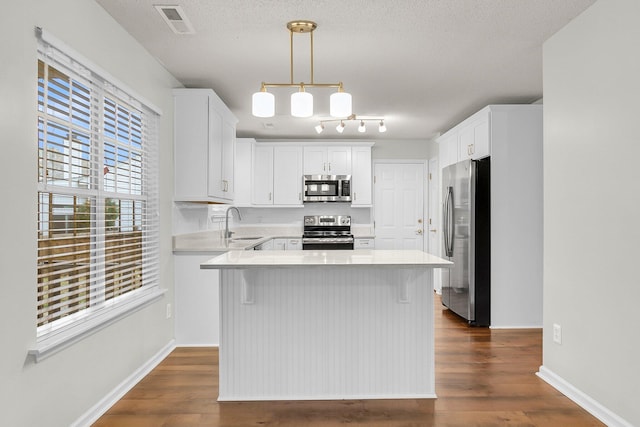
(204, 146)
(279, 244)
(287, 175)
(363, 243)
(282, 244)
(361, 176)
(262, 174)
(294, 244)
(448, 148)
(277, 175)
(473, 137)
(242, 172)
(327, 160)
(196, 300)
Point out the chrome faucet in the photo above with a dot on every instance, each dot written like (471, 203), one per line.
(227, 233)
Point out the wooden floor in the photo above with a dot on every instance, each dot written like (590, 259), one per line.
(483, 378)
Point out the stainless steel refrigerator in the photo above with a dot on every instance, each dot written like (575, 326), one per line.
(466, 194)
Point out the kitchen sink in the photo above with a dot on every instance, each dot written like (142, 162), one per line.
(247, 238)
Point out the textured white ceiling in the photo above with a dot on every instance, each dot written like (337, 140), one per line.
(422, 64)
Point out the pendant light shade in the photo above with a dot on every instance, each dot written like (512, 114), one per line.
(301, 104)
(382, 128)
(263, 104)
(340, 104)
(340, 127)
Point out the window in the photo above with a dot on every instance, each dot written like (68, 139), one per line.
(97, 194)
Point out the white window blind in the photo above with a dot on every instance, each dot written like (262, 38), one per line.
(98, 231)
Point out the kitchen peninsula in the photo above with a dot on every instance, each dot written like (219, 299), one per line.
(343, 324)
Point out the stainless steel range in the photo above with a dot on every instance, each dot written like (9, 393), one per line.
(327, 232)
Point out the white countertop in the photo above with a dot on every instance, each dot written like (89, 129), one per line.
(339, 258)
(212, 240)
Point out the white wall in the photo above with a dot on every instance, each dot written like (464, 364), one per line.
(404, 149)
(591, 204)
(58, 390)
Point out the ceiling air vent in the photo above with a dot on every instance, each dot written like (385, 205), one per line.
(176, 19)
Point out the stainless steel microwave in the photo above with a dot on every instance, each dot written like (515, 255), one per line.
(326, 188)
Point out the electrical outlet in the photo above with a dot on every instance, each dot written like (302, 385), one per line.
(168, 311)
(557, 333)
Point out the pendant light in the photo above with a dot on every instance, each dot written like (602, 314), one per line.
(263, 102)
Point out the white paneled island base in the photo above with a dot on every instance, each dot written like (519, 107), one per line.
(307, 325)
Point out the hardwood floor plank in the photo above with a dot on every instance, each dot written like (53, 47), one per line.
(484, 377)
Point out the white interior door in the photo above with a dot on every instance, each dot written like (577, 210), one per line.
(399, 205)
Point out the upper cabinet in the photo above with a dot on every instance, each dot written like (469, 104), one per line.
(448, 149)
(468, 140)
(277, 175)
(204, 147)
(327, 160)
(473, 137)
(361, 176)
(262, 175)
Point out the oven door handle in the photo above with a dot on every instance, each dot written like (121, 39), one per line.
(327, 240)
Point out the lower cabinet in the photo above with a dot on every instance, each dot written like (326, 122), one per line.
(294, 244)
(281, 244)
(360, 243)
(196, 300)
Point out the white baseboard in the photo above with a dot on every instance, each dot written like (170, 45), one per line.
(121, 389)
(515, 327)
(199, 345)
(586, 402)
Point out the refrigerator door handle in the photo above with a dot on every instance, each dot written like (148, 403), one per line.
(445, 225)
(450, 221)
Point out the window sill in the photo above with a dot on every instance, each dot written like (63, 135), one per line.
(68, 336)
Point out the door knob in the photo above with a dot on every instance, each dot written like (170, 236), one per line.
(418, 231)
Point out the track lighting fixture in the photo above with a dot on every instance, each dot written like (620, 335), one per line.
(352, 117)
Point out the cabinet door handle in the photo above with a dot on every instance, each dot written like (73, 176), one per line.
(324, 167)
(329, 166)
(354, 196)
(299, 196)
(269, 196)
